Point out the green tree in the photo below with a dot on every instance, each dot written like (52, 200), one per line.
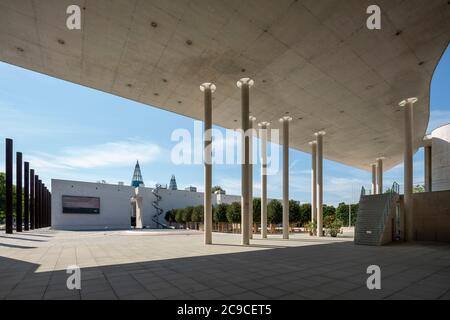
(305, 213)
(197, 214)
(187, 214)
(2, 195)
(294, 212)
(220, 213)
(234, 213)
(342, 213)
(256, 210)
(274, 212)
(328, 211)
(179, 214)
(170, 216)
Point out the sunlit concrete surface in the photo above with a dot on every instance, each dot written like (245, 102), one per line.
(177, 265)
(316, 60)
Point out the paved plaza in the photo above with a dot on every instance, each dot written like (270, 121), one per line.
(177, 265)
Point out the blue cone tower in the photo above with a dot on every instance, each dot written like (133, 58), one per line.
(137, 180)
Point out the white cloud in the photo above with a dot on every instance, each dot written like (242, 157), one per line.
(111, 154)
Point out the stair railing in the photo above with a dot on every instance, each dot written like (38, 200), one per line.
(394, 191)
(159, 210)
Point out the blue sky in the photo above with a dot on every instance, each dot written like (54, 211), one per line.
(68, 131)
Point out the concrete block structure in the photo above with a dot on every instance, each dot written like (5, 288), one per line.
(440, 158)
(115, 206)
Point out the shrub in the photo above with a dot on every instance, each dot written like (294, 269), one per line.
(197, 214)
(256, 210)
(220, 213)
(179, 214)
(234, 213)
(274, 212)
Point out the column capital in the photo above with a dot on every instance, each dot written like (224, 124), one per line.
(428, 140)
(320, 133)
(264, 124)
(208, 85)
(409, 101)
(286, 119)
(245, 81)
(312, 143)
(252, 118)
(381, 158)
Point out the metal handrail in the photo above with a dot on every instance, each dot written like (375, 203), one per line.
(395, 190)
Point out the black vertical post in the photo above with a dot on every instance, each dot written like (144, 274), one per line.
(36, 201)
(49, 209)
(26, 195)
(19, 190)
(32, 200)
(9, 186)
(45, 206)
(41, 201)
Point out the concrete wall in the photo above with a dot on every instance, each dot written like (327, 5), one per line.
(115, 207)
(432, 216)
(441, 158)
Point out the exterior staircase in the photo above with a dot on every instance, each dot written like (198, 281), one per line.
(159, 210)
(374, 217)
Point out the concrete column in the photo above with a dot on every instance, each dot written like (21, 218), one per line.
(245, 84)
(319, 136)
(313, 145)
(250, 177)
(428, 164)
(208, 89)
(137, 199)
(408, 167)
(374, 178)
(263, 136)
(285, 121)
(380, 175)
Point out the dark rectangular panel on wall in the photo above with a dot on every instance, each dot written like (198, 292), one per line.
(82, 205)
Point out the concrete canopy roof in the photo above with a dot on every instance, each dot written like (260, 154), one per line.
(312, 59)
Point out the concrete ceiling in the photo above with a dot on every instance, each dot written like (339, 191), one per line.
(313, 59)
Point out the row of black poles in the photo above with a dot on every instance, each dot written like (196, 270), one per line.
(36, 210)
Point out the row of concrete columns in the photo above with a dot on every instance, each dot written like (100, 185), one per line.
(36, 210)
(247, 123)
